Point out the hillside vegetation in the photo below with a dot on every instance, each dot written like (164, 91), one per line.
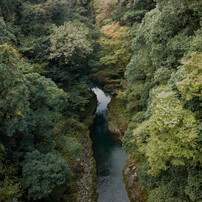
(45, 47)
(147, 53)
(160, 51)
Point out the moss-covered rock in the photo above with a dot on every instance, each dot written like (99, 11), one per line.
(83, 185)
(109, 78)
(118, 118)
(136, 191)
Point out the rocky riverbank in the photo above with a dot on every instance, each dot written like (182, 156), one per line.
(136, 192)
(83, 185)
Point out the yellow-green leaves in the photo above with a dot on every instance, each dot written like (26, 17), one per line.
(169, 136)
(114, 49)
(141, 135)
(172, 132)
(8, 55)
(191, 85)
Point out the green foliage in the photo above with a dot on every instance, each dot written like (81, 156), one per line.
(69, 40)
(162, 75)
(2, 30)
(128, 143)
(42, 173)
(7, 8)
(14, 102)
(10, 187)
(129, 11)
(113, 43)
(176, 184)
(69, 144)
(172, 130)
(169, 136)
(31, 107)
(193, 188)
(159, 45)
(114, 55)
(167, 96)
(45, 92)
(8, 55)
(191, 84)
(39, 122)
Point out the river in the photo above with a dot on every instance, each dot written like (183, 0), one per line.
(110, 157)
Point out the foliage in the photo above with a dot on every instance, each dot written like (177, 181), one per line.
(129, 11)
(171, 185)
(12, 89)
(31, 107)
(10, 187)
(172, 132)
(128, 143)
(69, 40)
(163, 89)
(47, 49)
(42, 173)
(113, 43)
(2, 30)
(191, 84)
(114, 55)
(104, 10)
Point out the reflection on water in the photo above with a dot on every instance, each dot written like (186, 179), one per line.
(103, 99)
(110, 157)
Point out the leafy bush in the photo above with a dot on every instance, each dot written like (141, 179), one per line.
(42, 173)
(69, 40)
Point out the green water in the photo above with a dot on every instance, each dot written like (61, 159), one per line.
(110, 157)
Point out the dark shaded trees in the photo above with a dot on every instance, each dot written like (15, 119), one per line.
(36, 142)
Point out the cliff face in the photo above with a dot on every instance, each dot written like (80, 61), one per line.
(83, 185)
(118, 118)
(136, 192)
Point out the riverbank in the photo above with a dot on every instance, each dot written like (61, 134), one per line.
(118, 118)
(136, 191)
(83, 186)
(117, 125)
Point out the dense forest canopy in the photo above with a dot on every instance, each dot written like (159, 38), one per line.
(160, 48)
(164, 94)
(148, 53)
(45, 47)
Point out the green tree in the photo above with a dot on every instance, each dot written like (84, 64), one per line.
(42, 173)
(191, 84)
(172, 132)
(68, 41)
(14, 100)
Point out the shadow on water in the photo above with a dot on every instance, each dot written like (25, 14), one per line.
(110, 157)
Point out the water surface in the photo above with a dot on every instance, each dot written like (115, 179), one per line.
(110, 157)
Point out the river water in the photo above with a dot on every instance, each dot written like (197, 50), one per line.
(110, 157)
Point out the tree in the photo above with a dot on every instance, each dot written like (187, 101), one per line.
(42, 173)
(130, 12)
(10, 186)
(31, 106)
(191, 84)
(105, 9)
(14, 100)
(172, 132)
(114, 46)
(68, 41)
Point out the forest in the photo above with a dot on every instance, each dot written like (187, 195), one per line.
(146, 53)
